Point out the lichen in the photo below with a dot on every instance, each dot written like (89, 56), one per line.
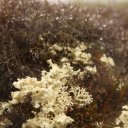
(51, 95)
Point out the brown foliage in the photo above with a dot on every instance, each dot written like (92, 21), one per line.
(28, 27)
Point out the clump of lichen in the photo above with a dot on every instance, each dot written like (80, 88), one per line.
(32, 32)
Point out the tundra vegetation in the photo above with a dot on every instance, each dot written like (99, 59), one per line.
(63, 65)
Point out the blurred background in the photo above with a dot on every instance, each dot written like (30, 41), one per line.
(89, 1)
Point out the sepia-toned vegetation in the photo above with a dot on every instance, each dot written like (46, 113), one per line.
(92, 39)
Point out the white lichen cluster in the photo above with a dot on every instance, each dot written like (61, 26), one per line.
(80, 95)
(120, 86)
(123, 118)
(80, 55)
(108, 60)
(3, 106)
(77, 55)
(55, 48)
(51, 96)
(98, 124)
